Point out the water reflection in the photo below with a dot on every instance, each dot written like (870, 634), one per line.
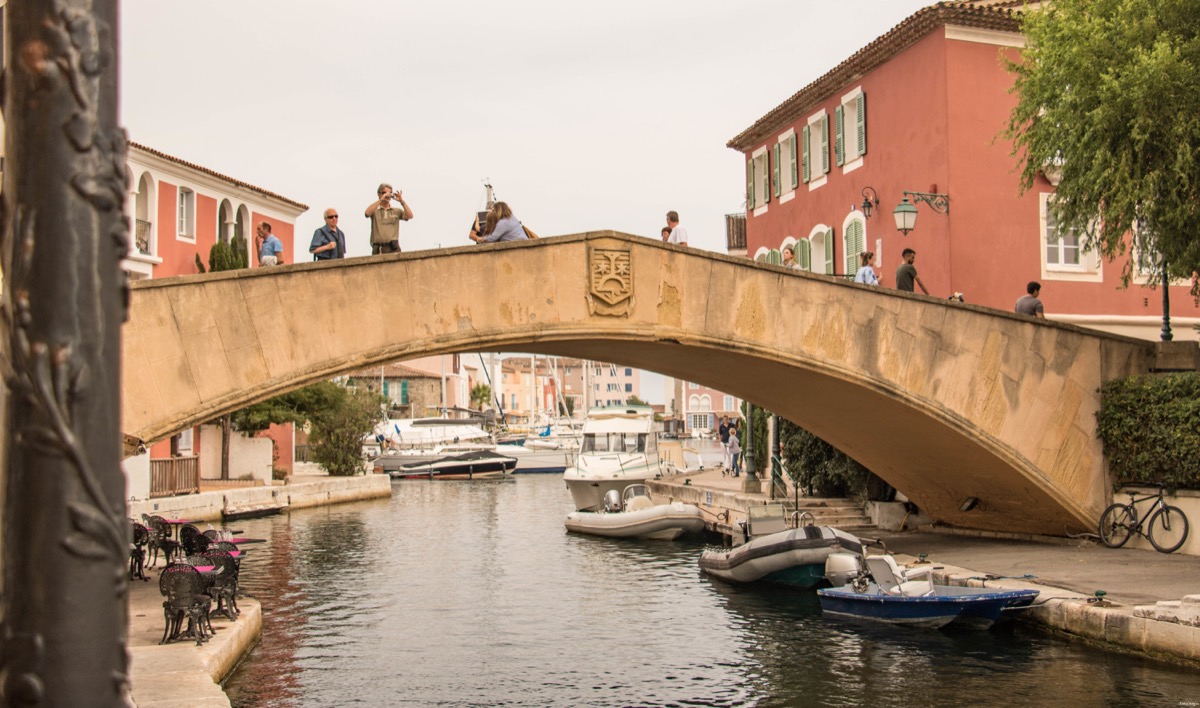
(459, 593)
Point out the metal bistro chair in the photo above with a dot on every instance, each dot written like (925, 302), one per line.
(224, 585)
(160, 540)
(193, 541)
(184, 590)
(137, 552)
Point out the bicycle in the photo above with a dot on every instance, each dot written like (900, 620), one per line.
(1166, 526)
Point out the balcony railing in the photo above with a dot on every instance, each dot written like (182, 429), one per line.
(142, 237)
(735, 232)
(174, 475)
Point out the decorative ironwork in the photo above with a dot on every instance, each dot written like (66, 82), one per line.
(142, 237)
(870, 201)
(611, 277)
(938, 202)
(64, 236)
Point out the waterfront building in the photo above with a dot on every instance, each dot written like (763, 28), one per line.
(705, 406)
(921, 110)
(180, 209)
(410, 392)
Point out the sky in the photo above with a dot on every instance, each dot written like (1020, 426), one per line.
(583, 116)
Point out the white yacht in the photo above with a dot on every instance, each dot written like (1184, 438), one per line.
(620, 448)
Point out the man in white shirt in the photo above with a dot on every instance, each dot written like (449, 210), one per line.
(678, 233)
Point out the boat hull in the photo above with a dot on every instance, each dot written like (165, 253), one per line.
(664, 521)
(972, 607)
(793, 557)
(468, 466)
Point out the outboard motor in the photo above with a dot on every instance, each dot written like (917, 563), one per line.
(842, 568)
(612, 501)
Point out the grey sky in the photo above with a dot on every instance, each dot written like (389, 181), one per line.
(584, 116)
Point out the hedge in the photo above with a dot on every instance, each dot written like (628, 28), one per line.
(1150, 427)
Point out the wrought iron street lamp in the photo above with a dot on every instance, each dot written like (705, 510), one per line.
(869, 202)
(906, 211)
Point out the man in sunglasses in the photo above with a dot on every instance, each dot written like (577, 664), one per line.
(328, 242)
(385, 220)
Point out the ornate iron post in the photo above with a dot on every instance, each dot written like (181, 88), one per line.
(65, 538)
(1165, 334)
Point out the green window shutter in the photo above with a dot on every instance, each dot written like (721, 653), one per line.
(775, 170)
(765, 176)
(385, 388)
(829, 252)
(854, 245)
(774, 257)
(795, 164)
(404, 393)
(839, 135)
(804, 252)
(750, 184)
(824, 144)
(861, 110)
(805, 158)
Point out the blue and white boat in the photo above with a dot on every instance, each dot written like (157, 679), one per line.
(909, 596)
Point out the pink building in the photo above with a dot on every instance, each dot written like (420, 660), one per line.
(180, 209)
(921, 110)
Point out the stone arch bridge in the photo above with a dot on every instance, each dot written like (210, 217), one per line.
(945, 401)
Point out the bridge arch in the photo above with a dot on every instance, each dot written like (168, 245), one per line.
(943, 401)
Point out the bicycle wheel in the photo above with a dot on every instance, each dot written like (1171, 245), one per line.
(1117, 524)
(1168, 529)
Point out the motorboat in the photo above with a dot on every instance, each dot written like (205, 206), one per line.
(422, 440)
(887, 592)
(632, 514)
(620, 447)
(480, 464)
(533, 459)
(777, 553)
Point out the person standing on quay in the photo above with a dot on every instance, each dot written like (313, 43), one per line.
(385, 220)
(268, 247)
(735, 452)
(678, 233)
(328, 242)
(1029, 304)
(906, 274)
(723, 432)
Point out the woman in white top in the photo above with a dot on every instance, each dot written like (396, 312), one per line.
(789, 258)
(866, 274)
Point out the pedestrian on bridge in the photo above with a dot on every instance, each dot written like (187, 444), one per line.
(267, 245)
(678, 233)
(906, 274)
(789, 258)
(666, 234)
(1029, 304)
(385, 219)
(328, 242)
(500, 226)
(866, 274)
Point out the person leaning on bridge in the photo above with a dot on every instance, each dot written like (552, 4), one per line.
(906, 274)
(678, 233)
(385, 220)
(268, 247)
(500, 225)
(1029, 304)
(328, 242)
(666, 234)
(866, 274)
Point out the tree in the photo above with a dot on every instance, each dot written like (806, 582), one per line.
(1108, 92)
(338, 430)
(635, 401)
(481, 395)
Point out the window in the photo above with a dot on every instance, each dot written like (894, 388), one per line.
(1063, 254)
(693, 385)
(814, 150)
(512, 402)
(629, 388)
(821, 255)
(404, 393)
(804, 254)
(728, 403)
(629, 372)
(850, 130)
(758, 182)
(187, 213)
(854, 240)
(787, 168)
(700, 421)
(185, 442)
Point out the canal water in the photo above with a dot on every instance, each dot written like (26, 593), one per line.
(472, 594)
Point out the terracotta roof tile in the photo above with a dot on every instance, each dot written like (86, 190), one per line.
(218, 175)
(992, 15)
(394, 370)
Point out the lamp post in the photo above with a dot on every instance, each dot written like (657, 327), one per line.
(751, 484)
(906, 211)
(1165, 335)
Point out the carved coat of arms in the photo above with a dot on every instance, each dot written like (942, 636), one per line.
(611, 286)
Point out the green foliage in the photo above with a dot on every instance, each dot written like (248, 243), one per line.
(297, 406)
(1108, 89)
(1150, 426)
(635, 401)
(817, 466)
(200, 265)
(338, 431)
(567, 407)
(481, 395)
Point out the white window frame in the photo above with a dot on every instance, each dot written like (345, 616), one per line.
(851, 160)
(185, 214)
(818, 160)
(789, 163)
(826, 244)
(1088, 270)
(728, 403)
(760, 171)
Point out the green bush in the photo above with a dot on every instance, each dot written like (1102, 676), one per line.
(1150, 427)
